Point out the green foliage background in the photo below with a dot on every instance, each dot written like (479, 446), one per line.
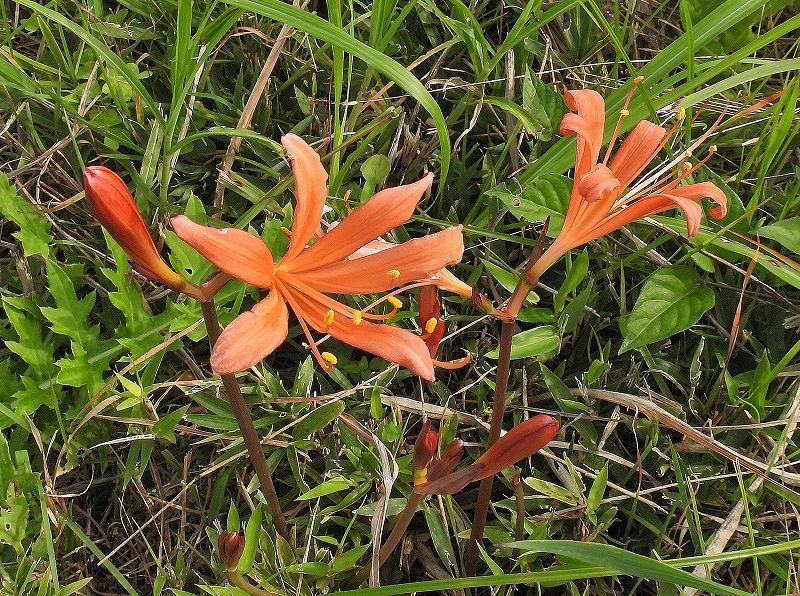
(119, 458)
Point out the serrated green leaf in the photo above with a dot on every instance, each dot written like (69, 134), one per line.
(34, 228)
(671, 301)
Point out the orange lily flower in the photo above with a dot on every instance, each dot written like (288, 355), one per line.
(305, 275)
(435, 476)
(606, 195)
(112, 205)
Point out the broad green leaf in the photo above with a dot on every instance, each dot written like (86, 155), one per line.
(543, 103)
(507, 279)
(318, 419)
(539, 341)
(596, 493)
(785, 232)
(166, 425)
(671, 301)
(576, 273)
(348, 559)
(34, 228)
(544, 196)
(252, 534)
(552, 491)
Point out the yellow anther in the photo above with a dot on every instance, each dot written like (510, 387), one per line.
(394, 301)
(286, 231)
(681, 113)
(393, 274)
(624, 113)
(430, 325)
(687, 165)
(329, 317)
(638, 79)
(712, 149)
(329, 358)
(357, 317)
(687, 154)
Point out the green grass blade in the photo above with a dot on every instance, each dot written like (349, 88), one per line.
(322, 29)
(624, 562)
(102, 51)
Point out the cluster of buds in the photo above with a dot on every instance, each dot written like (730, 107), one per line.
(436, 475)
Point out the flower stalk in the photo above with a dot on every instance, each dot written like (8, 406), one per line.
(246, 425)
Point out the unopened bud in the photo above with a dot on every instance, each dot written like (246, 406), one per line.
(231, 546)
(112, 205)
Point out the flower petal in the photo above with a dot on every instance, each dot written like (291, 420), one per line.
(310, 189)
(252, 336)
(390, 343)
(588, 122)
(598, 184)
(385, 211)
(705, 190)
(523, 440)
(418, 259)
(685, 200)
(637, 151)
(236, 252)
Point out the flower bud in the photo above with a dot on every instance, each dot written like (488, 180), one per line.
(523, 440)
(111, 204)
(430, 318)
(231, 546)
(424, 450)
(448, 461)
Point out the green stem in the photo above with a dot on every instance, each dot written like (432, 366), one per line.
(238, 580)
(245, 422)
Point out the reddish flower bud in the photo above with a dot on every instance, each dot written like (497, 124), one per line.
(424, 450)
(442, 466)
(231, 546)
(523, 440)
(112, 205)
(430, 318)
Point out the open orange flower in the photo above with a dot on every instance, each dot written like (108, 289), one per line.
(606, 195)
(305, 276)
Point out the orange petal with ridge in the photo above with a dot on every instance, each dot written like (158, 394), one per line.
(252, 336)
(388, 209)
(236, 252)
(417, 259)
(310, 189)
(390, 343)
(637, 151)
